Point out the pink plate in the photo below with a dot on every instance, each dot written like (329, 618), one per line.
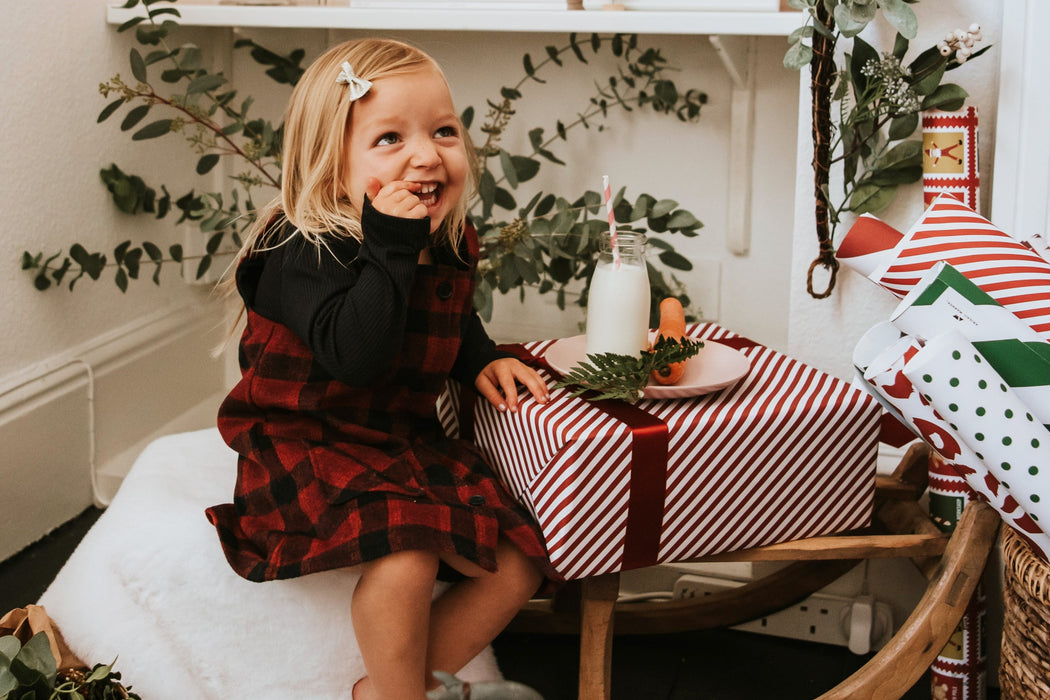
(715, 367)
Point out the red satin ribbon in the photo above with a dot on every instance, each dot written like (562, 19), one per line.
(645, 505)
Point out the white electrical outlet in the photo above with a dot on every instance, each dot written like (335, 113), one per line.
(860, 623)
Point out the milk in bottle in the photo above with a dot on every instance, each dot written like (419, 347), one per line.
(618, 303)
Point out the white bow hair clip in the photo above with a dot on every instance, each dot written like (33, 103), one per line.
(358, 86)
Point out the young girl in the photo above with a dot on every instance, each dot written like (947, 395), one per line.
(358, 283)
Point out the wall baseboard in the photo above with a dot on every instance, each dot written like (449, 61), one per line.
(76, 415)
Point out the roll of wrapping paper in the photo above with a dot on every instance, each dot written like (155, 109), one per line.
(949, 156)
(1010, 272)
(944, 300)
(989, 417)
(886, 378)
(960, 669)
(868, 244)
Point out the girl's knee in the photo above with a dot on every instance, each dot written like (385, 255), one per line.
(403, 569)
(519, 569)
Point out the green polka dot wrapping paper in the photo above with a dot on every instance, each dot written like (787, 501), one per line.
(990, 418)
(880, 358)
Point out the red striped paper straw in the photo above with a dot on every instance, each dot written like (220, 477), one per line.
(612, 221)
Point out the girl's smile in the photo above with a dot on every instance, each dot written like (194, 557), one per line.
(405, 133)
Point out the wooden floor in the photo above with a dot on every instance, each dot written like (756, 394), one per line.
(705, 665)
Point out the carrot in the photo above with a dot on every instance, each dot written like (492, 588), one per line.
(672, 326)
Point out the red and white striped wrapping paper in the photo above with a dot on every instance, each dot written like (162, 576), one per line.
(787, 452)
(1007, 270)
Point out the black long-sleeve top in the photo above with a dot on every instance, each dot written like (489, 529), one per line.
(348, 301)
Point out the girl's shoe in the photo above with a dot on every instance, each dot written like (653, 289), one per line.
(453, 688)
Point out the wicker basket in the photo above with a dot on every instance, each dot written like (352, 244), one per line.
(1024, 670)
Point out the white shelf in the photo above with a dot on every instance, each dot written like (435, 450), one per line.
(632, 22)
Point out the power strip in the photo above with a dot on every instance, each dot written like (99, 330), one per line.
(862, 624)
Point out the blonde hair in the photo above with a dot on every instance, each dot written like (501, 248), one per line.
(314, 167)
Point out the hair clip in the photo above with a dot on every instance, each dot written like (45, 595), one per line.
(358, 86)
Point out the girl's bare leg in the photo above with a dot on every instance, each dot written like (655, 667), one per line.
(470, 614)
(391, 612)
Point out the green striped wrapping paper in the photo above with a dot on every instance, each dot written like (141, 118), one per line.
(944, 300)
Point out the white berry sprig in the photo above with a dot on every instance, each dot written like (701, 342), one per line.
(961, 42)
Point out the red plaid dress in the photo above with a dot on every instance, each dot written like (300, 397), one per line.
(331, 475)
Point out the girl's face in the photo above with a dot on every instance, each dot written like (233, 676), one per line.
(405, 129)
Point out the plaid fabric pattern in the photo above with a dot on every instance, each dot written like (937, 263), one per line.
(331, 475)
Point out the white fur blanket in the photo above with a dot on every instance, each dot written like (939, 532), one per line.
(149, 585)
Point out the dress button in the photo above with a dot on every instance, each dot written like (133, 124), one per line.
(444, 291)
(476, 500)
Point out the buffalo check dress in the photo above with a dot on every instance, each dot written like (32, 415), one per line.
(342, 457)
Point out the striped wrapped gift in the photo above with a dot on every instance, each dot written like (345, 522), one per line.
(1010, 272)
(787, 452)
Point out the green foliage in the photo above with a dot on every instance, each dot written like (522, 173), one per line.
(610, 375)
(29, 672)
(528, 238)
(877, 98)
(551, 241)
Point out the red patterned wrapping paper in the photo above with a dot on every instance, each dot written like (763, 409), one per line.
(960, 670)
(949, 156)
(786, 453)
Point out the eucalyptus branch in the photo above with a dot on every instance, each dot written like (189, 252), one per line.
(146, 92)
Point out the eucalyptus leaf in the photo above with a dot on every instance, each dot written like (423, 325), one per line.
(9, 644)
(509, 171)
(207, 162)
(152, 251)
(663, 208)
(109, 110)
(545, 205)
(683, 219)
(203, 266)
(153, 130)
(35, 658)
(902, 175)
(525, 168)
(504, 199)
(849, 26)
(8, 681)
(134, 116)
(869, 198)
(863, 55)
(949, 98)
(903, 126)
(900, 46)
(138, 66)
(903, 154)
(901, 16)
(675, 260)
(931, 80)
(204, 83)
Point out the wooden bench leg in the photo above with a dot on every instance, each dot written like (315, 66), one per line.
(597, 605)
(899, 664)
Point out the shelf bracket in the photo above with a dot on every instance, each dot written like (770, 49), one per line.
(738, 55)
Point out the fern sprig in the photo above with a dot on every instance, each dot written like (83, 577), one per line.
(615, 376)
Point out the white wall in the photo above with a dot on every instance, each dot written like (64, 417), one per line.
(55, 55)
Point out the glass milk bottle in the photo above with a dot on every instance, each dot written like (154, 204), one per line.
(618, 302)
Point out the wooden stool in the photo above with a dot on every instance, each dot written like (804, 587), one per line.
(952, 564)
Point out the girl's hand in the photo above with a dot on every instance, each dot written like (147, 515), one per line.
(498, 383)
(397, 198)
